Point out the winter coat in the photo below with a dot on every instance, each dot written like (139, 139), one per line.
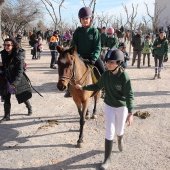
(147, 49)
(163, 50)
(103, 38)
(111, 42)
(137, 43)
(13, 67)
(126, 58)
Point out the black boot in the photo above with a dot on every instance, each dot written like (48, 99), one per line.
(120, 143)
(7, 110)
(108, 151)
(67, 94)
(28, 105)
(103, 94)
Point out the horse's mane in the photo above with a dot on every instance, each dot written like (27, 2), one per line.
(77, 56)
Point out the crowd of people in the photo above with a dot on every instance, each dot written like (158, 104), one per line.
(114, 79)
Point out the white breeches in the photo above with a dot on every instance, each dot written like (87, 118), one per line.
(115, 121)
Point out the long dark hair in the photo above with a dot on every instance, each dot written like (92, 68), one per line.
(14, 42)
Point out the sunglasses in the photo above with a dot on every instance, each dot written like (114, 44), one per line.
(7, 45)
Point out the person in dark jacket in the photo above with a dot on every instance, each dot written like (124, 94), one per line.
(103, 36)
(13, 67)
(138, 44)
(160, 48)
(122, 47)
(34, 43)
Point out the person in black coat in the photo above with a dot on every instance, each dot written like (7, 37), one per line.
(13, 67)
(122, 47)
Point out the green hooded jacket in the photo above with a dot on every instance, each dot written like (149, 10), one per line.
(88, 42)
(163, 50)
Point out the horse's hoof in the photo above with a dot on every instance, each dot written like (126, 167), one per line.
(87, 117)
(94, 116)
(79, 145)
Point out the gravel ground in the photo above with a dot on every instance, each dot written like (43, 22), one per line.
(31, 143)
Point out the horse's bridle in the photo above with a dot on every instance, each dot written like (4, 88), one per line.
(72, 77)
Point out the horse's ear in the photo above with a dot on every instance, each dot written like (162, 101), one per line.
(60, 49)
(73, 49)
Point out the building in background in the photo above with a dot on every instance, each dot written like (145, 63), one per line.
(164, 16)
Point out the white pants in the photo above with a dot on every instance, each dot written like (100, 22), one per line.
(115, 121)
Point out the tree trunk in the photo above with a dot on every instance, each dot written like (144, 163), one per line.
(2, 2)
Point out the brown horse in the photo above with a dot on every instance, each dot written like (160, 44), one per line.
(120, 35)
(127, 36)
(72, 70)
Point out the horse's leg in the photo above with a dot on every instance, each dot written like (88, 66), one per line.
(96, 97)
(82, 122)
(87, 114)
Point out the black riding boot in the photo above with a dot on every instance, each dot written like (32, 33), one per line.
(28, 105)
(108, 151)
(7, 110)
(120, 143)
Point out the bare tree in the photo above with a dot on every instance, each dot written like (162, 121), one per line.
(49, 5)
(16, 14)
(1, 6)
(130, 19)
(145, 24)
(155, 19)
(104, 19)
(75, 22)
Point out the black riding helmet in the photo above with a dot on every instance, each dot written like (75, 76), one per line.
(122, 44)
(56, 32)
(115, 55)
(85, 12)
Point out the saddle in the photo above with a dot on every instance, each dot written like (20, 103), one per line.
(94, 73)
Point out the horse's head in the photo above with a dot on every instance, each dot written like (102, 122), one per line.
(66, 64)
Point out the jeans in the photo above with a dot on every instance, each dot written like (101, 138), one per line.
(158, 63)
(148, 55)
(53, 58)
(135, 53)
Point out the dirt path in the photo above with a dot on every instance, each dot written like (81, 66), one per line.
(30, 143)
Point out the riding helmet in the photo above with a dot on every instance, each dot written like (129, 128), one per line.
(122, 44)
(56, 32)
(110, 31)
(85, 12)
(114, 55)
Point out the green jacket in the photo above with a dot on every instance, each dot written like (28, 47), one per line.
(147, 49)
(111, 42)
(163, 50)
(103, 38)
(137, 43)
(118, 90)
(88, 42)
